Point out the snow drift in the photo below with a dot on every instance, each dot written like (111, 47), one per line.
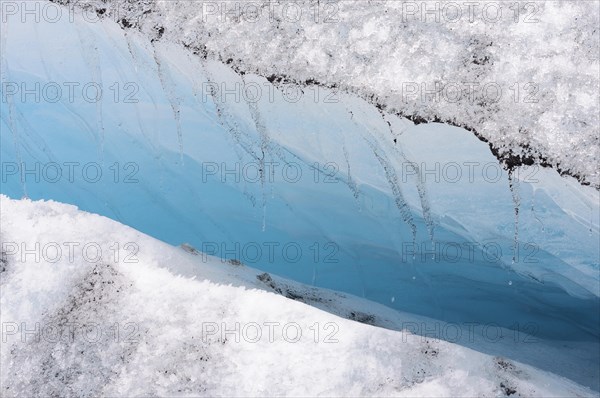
(163, 322)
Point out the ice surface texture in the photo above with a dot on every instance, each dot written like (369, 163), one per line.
(170, 323)
(172, 150)
(524, 75)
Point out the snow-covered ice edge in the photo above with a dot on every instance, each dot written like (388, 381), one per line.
(170, 321)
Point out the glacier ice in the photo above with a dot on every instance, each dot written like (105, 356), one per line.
(169, 323)
(522, 74)
(376, 202)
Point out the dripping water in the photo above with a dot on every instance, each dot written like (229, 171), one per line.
(421, 189)
(514, 189)
(543, 228)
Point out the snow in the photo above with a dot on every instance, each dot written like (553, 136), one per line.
(163, 323)
(364, 217)
(519, 73)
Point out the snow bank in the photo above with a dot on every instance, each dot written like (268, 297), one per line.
(159, 321)
(524, 75)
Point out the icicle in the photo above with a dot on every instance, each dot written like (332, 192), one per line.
(421, 189)
(264, 148)
(590, 230)
(243, 143)
(227, 122)
(89, 52)
(351, 183)
(533, 210)
(173, 100)
(425, 205)
(514, 189)
(157, 152)
(392, 178)
(264, 217)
